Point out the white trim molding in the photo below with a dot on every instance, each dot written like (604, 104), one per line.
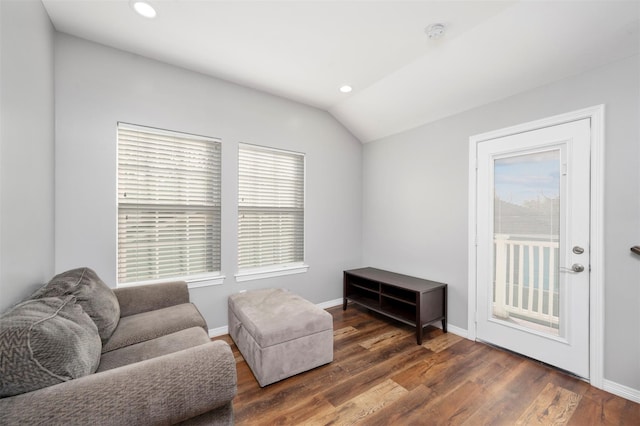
(330, 303)
(596, 295)
(193, 281)
(457, 331)
(270, 272)
(621, 390)
(218, 331)
(452, 329)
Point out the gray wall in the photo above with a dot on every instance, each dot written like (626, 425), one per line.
(26, 149)
(415, 198)
(97, 86)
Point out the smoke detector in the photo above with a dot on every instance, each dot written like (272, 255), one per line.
(435, 31)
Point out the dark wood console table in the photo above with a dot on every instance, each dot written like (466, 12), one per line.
(411, 300)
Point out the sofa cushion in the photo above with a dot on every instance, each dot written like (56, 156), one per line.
(162, 345)
(150, 325)
(96, 298)
(44, 342)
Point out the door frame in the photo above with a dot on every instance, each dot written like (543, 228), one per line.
(596, 227)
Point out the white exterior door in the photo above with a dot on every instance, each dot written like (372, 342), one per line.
(532, 220)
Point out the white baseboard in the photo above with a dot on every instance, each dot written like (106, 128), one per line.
(330, 304)
(457, 331)
(452, 329)
(621, 390)
(220, 331)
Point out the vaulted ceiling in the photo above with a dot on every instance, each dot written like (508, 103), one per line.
(401, 78)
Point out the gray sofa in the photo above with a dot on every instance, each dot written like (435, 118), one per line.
(77, 352)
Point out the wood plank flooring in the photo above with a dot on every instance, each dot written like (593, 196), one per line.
(379, 376)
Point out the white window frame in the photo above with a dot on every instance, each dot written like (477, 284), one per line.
(274, 270)
(196, 279)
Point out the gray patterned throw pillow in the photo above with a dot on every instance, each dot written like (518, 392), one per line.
(96, 298)
(44, 342)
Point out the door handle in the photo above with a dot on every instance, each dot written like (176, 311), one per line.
(576, 267)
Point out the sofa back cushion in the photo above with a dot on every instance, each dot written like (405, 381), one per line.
(96, 298)
(44, 342)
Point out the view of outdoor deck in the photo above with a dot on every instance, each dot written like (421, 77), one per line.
(526, 281)
(526, 241)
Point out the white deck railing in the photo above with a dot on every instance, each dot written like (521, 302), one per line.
(526, 274)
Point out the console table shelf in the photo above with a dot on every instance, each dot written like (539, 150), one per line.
(411, 300)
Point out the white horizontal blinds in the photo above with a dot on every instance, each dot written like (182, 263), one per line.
(168, 204)
(270, 207)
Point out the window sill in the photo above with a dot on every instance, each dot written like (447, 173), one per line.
(261, 273)
(197, 282)
(194, 281)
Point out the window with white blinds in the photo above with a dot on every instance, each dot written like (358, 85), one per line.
(270, 208)
(168, 204)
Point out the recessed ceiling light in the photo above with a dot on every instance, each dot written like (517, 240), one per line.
(346, 89)
(144, 9)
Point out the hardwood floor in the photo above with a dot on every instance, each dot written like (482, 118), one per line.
(379, 376)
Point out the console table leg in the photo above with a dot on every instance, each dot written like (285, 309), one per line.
(419, 333)
(344, 305)
(444, 309)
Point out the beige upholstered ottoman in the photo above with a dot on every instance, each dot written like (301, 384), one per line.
(279, 333)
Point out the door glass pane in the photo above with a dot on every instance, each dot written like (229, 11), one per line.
(526, 240)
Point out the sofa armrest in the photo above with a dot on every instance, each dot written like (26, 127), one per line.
(163, 390)
(145, 298)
